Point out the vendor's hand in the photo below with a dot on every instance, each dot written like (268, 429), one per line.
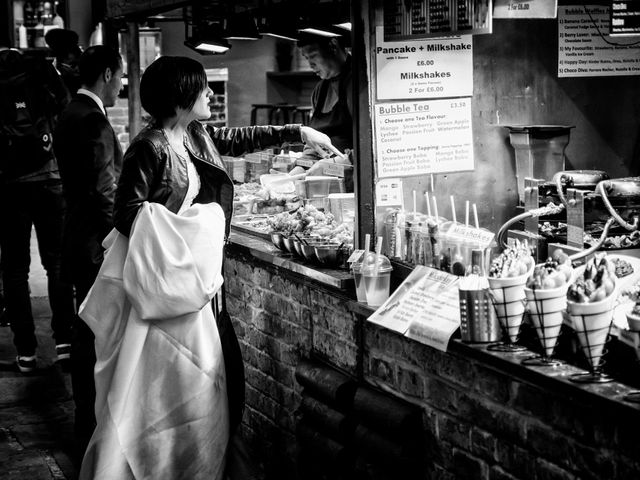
(318, 167)
(320, 142)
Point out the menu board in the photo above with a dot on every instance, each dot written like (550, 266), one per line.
(585, 49)
(625, 17)
(404, 19)
(424, 307)
(417, 138)
(433, 68)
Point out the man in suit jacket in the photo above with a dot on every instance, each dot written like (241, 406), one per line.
(90, 160)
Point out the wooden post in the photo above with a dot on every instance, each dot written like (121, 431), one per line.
(133, 78)
(362, 119)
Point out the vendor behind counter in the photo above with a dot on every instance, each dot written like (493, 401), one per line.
(332, 97)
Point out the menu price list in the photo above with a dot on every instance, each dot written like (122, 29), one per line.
(415, 138)
(584, 49)
(424, 18)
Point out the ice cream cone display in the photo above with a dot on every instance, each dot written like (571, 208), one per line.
(545, 291)
(591, 300)
(507, 277)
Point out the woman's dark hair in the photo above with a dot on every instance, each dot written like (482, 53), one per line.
(95, 60)
(170, 83)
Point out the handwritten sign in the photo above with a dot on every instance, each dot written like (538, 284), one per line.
(433, 68)
(417, 138)
(585, 49)
(469, 234)
(425, 307)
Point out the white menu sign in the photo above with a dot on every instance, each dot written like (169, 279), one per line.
(524, 8)
(425, 307)
(585, 49)
(433, 68)
(415, 138)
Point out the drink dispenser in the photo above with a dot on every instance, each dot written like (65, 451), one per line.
(539, 151)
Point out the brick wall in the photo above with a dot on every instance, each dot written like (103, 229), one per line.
(478, 421)
(119, 118)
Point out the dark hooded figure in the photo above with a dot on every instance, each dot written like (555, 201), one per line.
(64, 45)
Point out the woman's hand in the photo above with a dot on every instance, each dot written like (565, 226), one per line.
(320, 142)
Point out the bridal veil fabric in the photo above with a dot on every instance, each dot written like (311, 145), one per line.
(161, 398)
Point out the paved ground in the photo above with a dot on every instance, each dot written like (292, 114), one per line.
(36, 411)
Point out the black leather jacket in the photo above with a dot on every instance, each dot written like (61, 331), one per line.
(153, 172)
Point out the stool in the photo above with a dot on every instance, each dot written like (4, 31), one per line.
(281, 114)
(304, 113)
(255, 107)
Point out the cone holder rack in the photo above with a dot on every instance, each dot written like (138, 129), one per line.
(594, 375)
(542, 359)
(506, 345)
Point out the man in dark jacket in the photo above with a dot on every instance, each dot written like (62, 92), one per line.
(90, 163)
(31, 96)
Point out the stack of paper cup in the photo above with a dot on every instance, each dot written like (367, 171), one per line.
(507, 295)
(546, 307)
(592, 322)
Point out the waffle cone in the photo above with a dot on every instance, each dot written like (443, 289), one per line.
(592, 322)
(546, 307)
(507, 295)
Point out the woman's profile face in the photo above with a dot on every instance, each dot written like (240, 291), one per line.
(200, 109)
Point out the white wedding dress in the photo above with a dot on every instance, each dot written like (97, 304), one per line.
(161, 397)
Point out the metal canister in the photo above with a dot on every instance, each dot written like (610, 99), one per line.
(478, 320)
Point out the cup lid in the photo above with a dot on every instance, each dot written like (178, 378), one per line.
(369, 264)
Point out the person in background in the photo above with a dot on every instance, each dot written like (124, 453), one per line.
(90, 162)
(31, 97)
(64, 45)
(175, 163)
(332, 97)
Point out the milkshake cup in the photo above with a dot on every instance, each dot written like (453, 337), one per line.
(377, 280)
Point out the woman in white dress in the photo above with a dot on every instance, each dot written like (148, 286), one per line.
(169, 400)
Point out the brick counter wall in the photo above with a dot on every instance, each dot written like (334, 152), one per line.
(478, 422)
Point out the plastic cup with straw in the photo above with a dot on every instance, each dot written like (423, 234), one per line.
(376, 273)
(356, 269)
(415, 237)
(425, 234)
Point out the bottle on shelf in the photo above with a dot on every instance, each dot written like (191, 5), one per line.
(57, 19)
(38, 35)
(22, 36)
(47, 14)
(18, 21)
(29, 15)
